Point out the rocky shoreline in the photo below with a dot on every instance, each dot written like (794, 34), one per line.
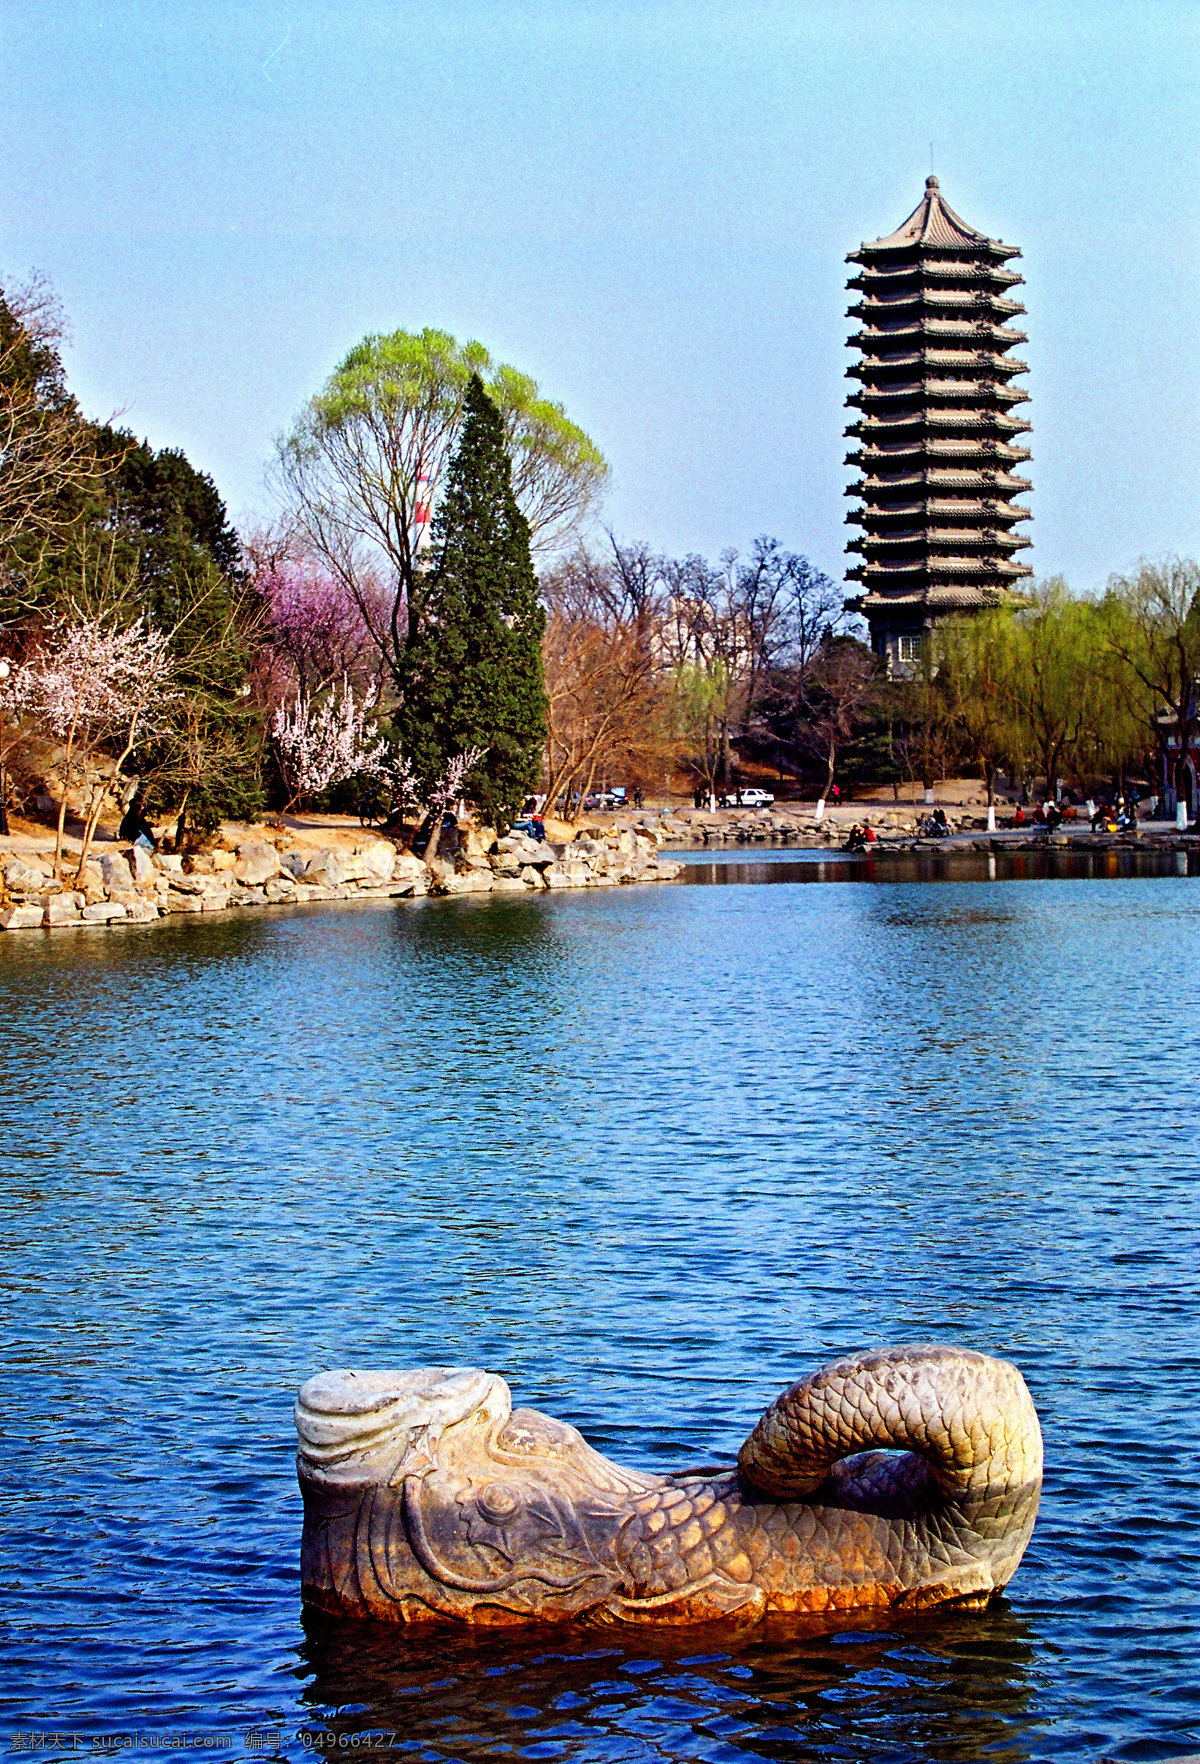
(131, 886)
(896, 832)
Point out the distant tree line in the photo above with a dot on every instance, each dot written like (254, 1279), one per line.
(656, 665)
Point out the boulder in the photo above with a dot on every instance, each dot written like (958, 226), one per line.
(247, 897)
(540, 854)
(508, 885)
(469, 882)
(60, 909)
(141, 912)
(478, 841)
(169, 861)
(20, 918)
(409, 865)
(115, 871)
(279, 888)
(25, 877)
(178, 902)
(190, 884)
(103, 912)
(224, 860)
(588, 848)
(91, 881)
(255, 863)
(293, 860)
(141, 866)
(566, 875)
(325, 870)
(379, 861)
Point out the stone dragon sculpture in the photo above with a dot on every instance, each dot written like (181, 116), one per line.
(902, 1477)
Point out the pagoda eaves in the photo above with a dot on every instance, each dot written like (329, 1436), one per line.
(937, 431)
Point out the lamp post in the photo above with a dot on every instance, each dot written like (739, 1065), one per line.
(5, 670)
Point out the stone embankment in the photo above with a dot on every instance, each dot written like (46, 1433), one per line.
(896, 831)
(129, 885)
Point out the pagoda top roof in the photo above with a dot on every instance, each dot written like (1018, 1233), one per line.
(933, 222)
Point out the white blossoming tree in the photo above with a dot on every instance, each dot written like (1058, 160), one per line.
(94, 686)
(322, 744)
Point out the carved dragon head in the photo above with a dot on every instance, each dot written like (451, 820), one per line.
(469, 1498)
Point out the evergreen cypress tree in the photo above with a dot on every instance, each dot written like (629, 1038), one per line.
(473, 670)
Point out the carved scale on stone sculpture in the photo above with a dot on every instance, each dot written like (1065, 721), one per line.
(904, 1477)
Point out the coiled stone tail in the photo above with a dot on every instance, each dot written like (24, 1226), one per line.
(905, 1476)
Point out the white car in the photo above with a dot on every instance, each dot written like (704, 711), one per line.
(751, 799)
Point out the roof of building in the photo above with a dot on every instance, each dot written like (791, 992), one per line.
(932, 222)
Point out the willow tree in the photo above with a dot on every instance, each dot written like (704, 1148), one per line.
(1151, 642)
(974, 661)
(366, 463)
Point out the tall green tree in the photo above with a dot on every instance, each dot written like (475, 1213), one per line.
(368, 458)
(473, 676)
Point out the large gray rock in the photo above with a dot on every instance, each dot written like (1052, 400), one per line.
(293, 861)
(247, 897)
(141, 912)
(411, 866)
(20, 918)
(379, 861)
(141, 866)
(469, 882)
(115, 871)
(540, 854)
(103, 912)
(566, 875)
(325, 870)
(256, 863)
(24, 877)
(62, 909)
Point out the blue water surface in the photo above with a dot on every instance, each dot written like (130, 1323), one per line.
(651, 1153)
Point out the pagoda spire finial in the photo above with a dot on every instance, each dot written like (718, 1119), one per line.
(931, 183)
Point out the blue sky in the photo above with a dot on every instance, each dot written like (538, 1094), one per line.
(647, 206)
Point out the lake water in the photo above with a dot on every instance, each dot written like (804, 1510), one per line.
(650, 1153)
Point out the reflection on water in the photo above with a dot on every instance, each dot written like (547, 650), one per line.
(737, 866)
(650, 1153)
(946, 1688)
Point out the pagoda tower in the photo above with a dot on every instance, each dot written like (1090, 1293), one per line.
(938, 444)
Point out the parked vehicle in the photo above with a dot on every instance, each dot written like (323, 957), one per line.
(748, 799)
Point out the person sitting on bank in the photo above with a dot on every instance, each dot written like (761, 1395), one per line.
(1019, 817)
(135, 827)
